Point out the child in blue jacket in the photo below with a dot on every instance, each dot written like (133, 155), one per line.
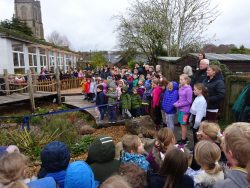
(169, 98)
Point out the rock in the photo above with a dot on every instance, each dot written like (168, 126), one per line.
(86, 129)
(143, 125)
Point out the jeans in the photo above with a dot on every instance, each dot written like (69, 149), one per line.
(126, 111)
(102, 112)
(112, 113)
(136, 112)
(170, 120)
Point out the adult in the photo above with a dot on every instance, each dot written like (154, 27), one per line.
(216, 91)
(105, 73)
(201, 74)
(88, 67)
(188, 70)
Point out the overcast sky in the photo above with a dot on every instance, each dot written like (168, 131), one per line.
(88, 24)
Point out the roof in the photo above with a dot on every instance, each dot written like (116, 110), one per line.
(17, 35)
(225, 57)
(168, 58)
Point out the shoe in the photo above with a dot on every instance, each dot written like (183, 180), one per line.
(113, 122)
(183, 142)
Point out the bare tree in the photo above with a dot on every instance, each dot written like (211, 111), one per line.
(58, 39)
(153, 26)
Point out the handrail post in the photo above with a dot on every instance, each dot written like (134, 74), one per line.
(31, 91)
(6, 80)
(58, 86)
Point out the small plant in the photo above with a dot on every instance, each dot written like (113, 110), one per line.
(82, 145)
(31, 142)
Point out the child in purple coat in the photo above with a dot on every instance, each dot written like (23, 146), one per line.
(183, 105)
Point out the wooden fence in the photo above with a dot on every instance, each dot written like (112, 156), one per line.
(47, 85)
(234, 86)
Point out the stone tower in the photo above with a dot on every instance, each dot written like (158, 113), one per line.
(29, 11)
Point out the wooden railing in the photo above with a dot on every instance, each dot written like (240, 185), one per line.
(48, 85)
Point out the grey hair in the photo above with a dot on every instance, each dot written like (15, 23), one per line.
(188, 70)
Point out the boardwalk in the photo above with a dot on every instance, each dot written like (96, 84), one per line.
(77, 101)
(21, 97)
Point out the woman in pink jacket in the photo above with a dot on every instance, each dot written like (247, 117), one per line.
(156, 96)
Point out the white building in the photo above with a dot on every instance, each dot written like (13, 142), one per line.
(19, 53)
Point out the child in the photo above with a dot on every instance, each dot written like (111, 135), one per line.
(183, 105)
(198, 108)
(169, 98)
(114, 182)
(55, 159)
(133, 152)
(156, 96)
(125, 102)
(87, 87)
(207, 155)
(100, 100)
(171, 173)
(101, 155)
(163, 84)
(12, 170)
(135, 80)
(237, 150)
(141, 88)
(165, 139)
(83, 85)
(112, 98)
(92, 89)
(135, 103)
(79, 174)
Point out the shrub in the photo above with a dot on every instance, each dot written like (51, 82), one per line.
(31, 142)
(82, 145)
(68, 132)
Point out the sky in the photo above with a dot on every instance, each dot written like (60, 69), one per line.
(90, 24)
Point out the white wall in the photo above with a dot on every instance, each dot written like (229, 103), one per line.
(6, 56)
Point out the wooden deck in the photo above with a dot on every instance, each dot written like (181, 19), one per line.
(21, 97)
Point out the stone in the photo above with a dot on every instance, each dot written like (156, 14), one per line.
(86, 129)
(143, 126)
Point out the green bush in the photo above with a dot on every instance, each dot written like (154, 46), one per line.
(82, 145)
(68, 132)
(225, 70)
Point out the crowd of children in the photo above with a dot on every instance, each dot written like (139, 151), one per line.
(166, 164)
(217, 160)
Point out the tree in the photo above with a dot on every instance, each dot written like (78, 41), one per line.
(153, 26)
(97, 59)
(58, 39)
(16, 24)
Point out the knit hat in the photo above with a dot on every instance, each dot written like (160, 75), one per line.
(101, 150)
(79, 175)
(55, 157)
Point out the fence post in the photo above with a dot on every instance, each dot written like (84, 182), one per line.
(6, 80)
(58, 86)
(31, 91)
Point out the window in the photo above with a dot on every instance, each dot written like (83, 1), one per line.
(43, 57)
(32, 57)
(51, 61)
(18, 57)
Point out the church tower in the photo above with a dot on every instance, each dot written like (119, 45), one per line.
(29, 11)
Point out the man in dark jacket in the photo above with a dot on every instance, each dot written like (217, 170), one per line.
(201, 74)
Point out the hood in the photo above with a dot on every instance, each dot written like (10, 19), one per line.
(101, 150)
(79, 175)
(175, 85)
(47, 182)
(237, 177)
(55, 157)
